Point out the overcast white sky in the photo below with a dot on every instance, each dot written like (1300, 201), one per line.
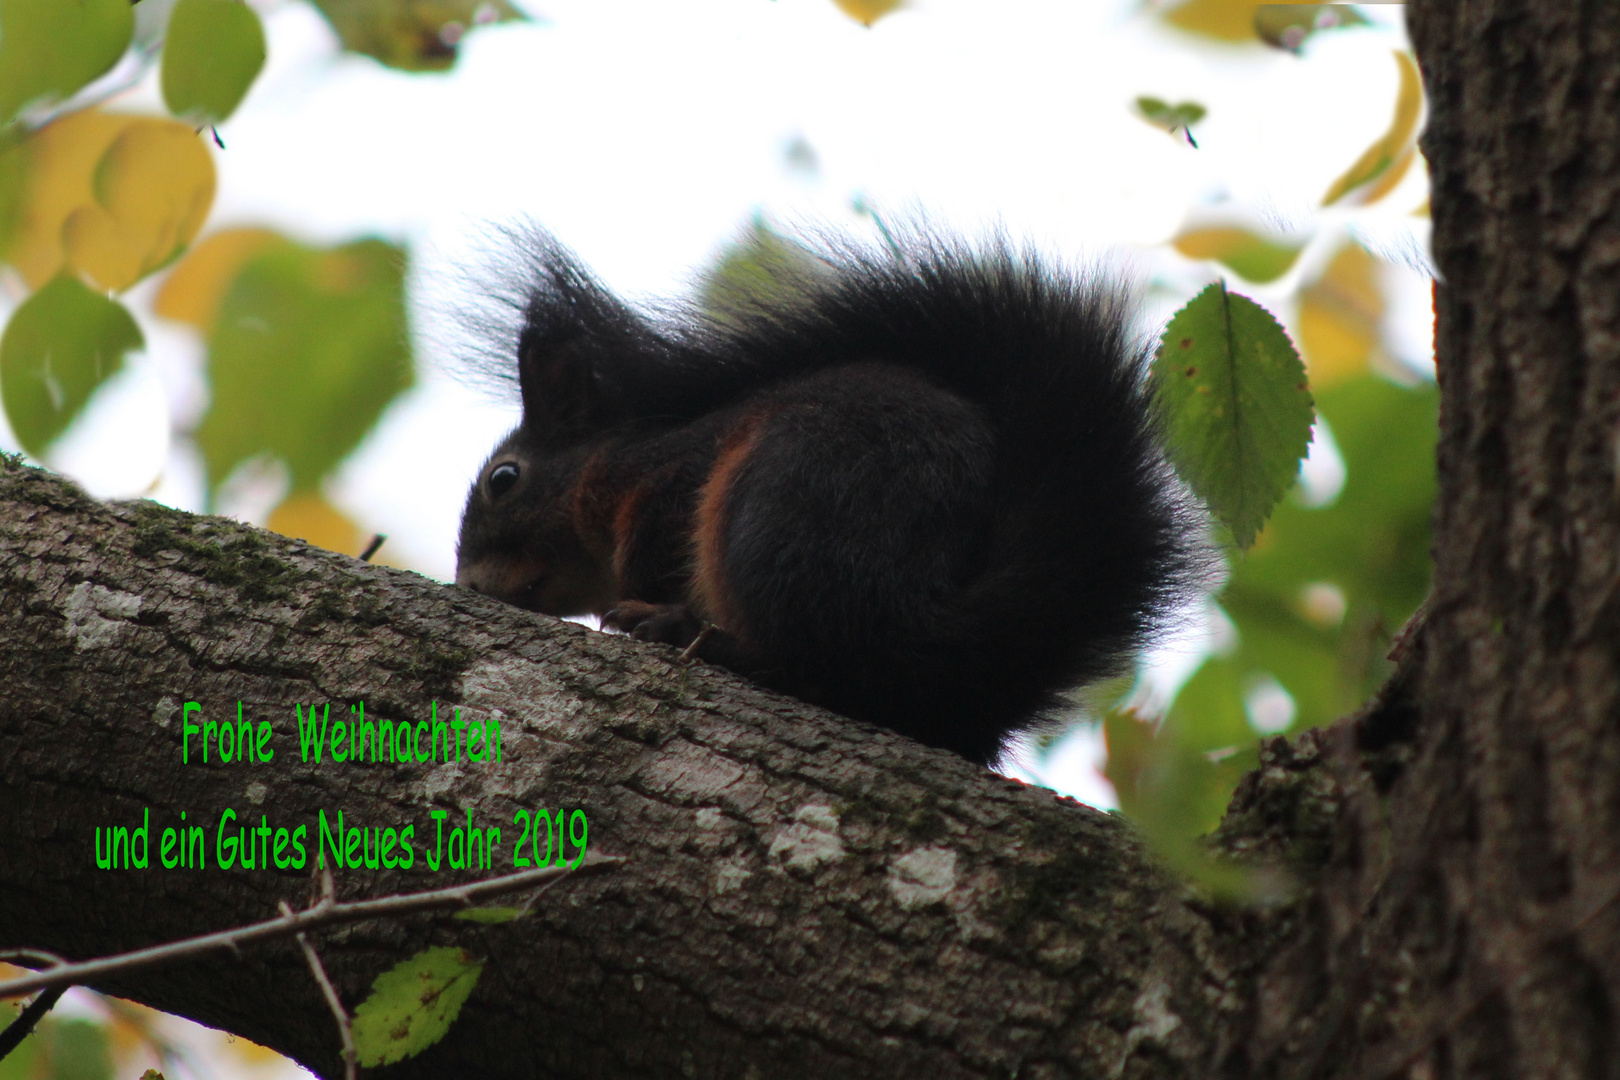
(645, 133)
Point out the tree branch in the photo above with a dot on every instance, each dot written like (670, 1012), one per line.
(803, 896)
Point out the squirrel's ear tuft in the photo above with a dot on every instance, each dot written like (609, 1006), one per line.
(558, 382)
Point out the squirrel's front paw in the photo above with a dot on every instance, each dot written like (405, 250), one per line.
(668, 624)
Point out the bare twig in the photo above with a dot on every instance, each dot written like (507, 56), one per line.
(19, 1029)
(697, 643)
(326, 912)
(371, 548)
(351, 1056)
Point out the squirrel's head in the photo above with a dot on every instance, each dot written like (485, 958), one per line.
(521, 540)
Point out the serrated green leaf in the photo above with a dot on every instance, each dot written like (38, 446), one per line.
(308, 348)
(49, 49)
(491, 916)
(1238, 412)
(412, 1006)
(212, 54)
(419, 35)
(61, 343)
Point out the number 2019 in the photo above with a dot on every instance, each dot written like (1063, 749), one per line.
(578, 828)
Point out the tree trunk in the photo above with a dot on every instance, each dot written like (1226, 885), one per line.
(807, 897)
(1468, 924)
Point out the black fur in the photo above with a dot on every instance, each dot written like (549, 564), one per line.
(953, 509)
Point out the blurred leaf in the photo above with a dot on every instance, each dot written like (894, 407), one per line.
(1237, 409)
(1371, 544)
(1171, 118)
(49, 49)
(1287, 26)
(1246, 254)
(76, 1050)
(1339, 317)
(212, 54)
(61, 343)
(412, 1005)
(308, 348)
(755, 267)
(1384, 154)
(308, 516)
(1223, 20)
(152, 188)
(1208, 714)
(58, 162)
(194, 289)
(412, 35)
(868, 12)
(14, 165)
(1175, 794)
(23, 1062)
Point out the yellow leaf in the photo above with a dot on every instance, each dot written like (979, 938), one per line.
(1223, 20)
(153, 188)
(195, 288)
(61, 161)
(1252, 256)
(1339, 316)
(867, 11)
(308, 516)
(1386, 183)
(1384, 154)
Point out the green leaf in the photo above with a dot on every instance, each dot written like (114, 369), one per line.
(1371, 545)
(413, 1005)
(1176, 793)
(14, 165)
(758, 265)
(212, 54)
(1236, 405)
(1161, 113)
(49, 49)
(422, 35)
(77, 1050)
(491, 916)
(61, 343)
(308, 348)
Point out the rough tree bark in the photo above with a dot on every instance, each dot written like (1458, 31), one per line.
(806, 897)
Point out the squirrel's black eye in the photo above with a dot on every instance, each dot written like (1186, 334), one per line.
(502, 478)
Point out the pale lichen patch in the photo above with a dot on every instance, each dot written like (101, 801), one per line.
(810, 840)
(923, 876)
(97, 617)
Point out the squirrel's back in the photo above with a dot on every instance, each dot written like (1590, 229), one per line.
(925, 490)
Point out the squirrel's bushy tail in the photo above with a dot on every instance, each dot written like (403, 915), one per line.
(1090, 540)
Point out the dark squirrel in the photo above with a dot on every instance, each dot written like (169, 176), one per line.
(923, 488)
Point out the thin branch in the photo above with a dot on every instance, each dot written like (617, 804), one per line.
(326, 912)
(20, 1028)
(351, 1056)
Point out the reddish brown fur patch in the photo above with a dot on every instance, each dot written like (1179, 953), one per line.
(591, 505)
(708, 590)
(625, 517)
